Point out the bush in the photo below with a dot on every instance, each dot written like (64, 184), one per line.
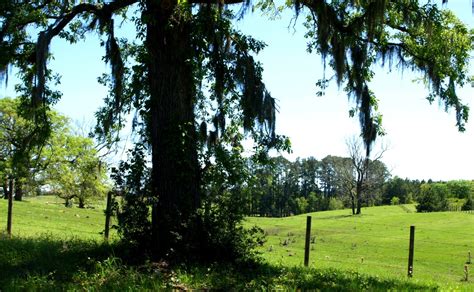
(395, 201)
(132, 182)
(301, 205)
(335, 204)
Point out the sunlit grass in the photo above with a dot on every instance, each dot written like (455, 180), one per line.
(59, 248)
(48, 215)
(376, 242)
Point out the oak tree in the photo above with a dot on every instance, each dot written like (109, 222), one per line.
(190, 73)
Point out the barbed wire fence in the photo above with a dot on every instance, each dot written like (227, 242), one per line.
(438, 255)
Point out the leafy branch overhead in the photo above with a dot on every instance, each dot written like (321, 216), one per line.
(353, 36)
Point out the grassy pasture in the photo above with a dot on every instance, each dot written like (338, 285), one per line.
(59, 248)
(376, 243)
(48, 215)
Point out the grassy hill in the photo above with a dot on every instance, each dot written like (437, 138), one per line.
(376, 242)
(48, 215)
(348, 252)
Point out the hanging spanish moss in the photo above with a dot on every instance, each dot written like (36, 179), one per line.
(114, 57)
(42, 51)
(355, 35)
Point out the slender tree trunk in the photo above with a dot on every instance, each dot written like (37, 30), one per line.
(18, 192)
(359, 204)
(359, 197)
(10, 206)
(175, 167)
(81, 203)
(353, 204)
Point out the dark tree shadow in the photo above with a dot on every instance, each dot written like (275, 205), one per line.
(56, 264)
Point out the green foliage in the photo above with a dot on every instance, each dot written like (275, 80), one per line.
(66, 164)
(468, 205)
(432, 198)
(301, 205)
(19, 155)
(281, 187)
(74, 169)
(335, 204)
(461, 189)
(132, 182)
(357, 35)
(404, 189)
(394, 201)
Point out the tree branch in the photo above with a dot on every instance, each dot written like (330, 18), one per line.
(45, 37)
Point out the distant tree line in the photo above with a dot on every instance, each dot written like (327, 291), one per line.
(283, 188)
(430, 196)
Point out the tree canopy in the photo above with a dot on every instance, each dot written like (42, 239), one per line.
(197, 91)
(67, 164)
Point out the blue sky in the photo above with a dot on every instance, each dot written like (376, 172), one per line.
(422, 139)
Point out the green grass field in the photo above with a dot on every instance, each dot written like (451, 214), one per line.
(48, 215)
(376, 242)
(55, 246)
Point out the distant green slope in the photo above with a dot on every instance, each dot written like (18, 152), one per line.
(376, 242)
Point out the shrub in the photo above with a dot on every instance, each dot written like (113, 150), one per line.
(335, 204)
(395, 201)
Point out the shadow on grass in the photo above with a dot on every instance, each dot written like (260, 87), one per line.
(52, 259)
(336, 217)
(266, 277)
(48, 264)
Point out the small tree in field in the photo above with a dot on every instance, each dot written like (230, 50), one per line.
(75, 170)
(395, 201)
(367, 174)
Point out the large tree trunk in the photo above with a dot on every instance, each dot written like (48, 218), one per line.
(175, 167)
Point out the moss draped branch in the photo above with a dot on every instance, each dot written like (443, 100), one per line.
(103, 12)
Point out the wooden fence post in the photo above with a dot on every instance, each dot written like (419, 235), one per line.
(107, 215)
(411, 251)
(307, 242)
(10, 206)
